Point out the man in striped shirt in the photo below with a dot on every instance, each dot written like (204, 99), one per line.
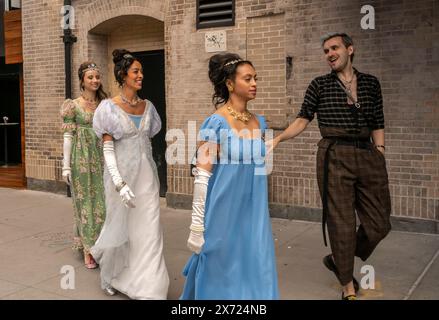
(351, 168)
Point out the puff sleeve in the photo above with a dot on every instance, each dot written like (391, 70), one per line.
(106, 120)
(68, 115)
(211, 130)
(156, 122)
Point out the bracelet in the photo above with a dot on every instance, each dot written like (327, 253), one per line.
(380, 146)
(120, 186)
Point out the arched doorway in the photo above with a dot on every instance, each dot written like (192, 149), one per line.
(144, 37)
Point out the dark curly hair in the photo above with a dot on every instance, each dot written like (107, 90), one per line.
(100, 94)
(222, 67)
(123, 59)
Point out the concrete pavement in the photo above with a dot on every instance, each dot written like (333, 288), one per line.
(35, 240)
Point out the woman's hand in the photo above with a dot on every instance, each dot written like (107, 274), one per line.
(127, 197)
(67, 175)
(195, 241)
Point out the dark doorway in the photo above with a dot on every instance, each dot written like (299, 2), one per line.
(153, 89)
(12, 157)
(10, 133)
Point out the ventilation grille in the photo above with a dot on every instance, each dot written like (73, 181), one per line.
(215, 13)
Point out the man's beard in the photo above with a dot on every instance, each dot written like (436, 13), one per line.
(340, 67)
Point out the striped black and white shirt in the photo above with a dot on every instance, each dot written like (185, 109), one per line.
(325, 97)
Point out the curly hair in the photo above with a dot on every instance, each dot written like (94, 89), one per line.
(222, 67)
(123, 59)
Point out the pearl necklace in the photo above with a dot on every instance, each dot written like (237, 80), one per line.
(132, 103)
(92, 104)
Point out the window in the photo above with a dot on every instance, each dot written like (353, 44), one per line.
(215, 13)
(12, 5)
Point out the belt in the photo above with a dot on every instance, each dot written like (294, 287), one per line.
(362, 143)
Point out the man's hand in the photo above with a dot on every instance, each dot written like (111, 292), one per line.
(270, 145)
(381, 149)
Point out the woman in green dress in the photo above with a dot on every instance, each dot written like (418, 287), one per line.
(83, 161)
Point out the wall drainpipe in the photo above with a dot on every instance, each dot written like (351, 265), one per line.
(68, 39)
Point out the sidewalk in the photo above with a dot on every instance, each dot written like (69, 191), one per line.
(35, 239)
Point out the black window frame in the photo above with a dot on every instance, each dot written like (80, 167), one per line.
(14, 8)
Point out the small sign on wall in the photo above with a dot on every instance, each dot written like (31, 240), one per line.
(215, 41)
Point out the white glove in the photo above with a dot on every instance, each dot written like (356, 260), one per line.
(124, 191)
(195, 241)
(196, 236)
(127, 196)
(67, 152)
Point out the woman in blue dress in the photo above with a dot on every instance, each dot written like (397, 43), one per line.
(230, 233)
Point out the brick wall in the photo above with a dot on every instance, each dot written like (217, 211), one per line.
(43, 54)
(400, 53)
(142, 34)
(100, 26)
(403, 52)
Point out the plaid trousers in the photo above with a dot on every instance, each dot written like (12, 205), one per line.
(357, 182)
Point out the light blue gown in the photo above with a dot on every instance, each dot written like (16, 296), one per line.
(237, 260)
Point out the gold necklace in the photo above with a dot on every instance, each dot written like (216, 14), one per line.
(241, 116)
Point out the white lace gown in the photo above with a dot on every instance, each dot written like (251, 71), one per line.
(129, 249)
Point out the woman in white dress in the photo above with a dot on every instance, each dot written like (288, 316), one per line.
(129, 249)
